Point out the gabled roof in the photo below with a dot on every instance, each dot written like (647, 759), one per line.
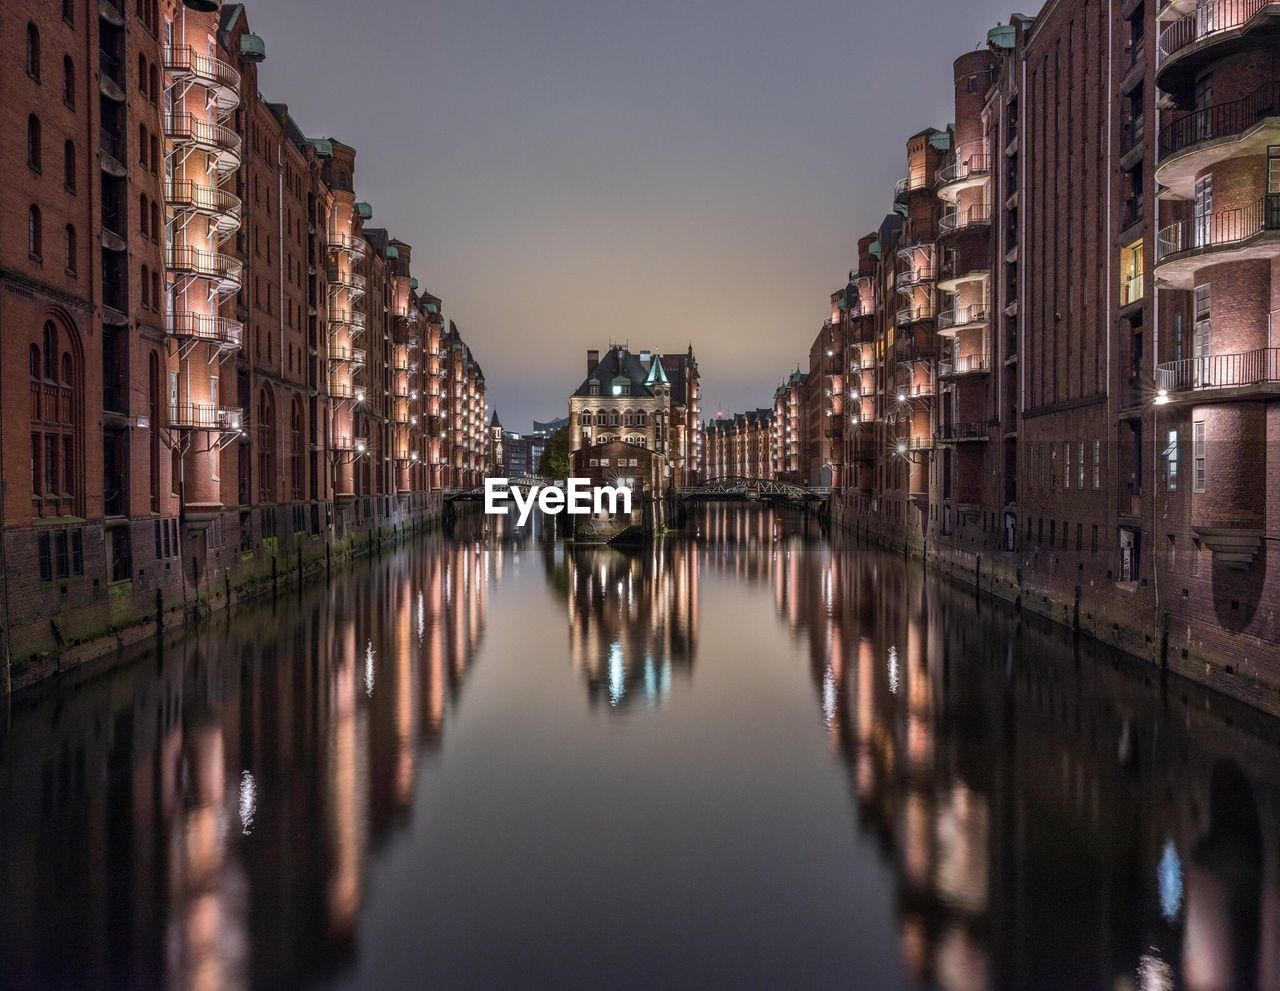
(617, 364)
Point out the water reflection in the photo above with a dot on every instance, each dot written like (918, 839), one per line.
(1050, 816)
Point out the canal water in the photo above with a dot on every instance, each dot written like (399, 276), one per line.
(750, 757)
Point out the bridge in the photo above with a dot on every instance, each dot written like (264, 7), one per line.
(515, 482)
(738, 487)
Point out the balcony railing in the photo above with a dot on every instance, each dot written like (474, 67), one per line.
(1210, 17)
(210, 137)
(356, 247)
(961, 168)
(958, 220)
(1220, 371)
(950, 433)
(1221, 120)
(205, 416)
(220, 78)
(222, 331)
(914, 276)
(910, 184)
(350, 356)
(962, 266)
(351, 282)
(962, 316)
(226, 270)
(183, 194)
(354, 319)
(914, 314)
(969, 364)
(1219, 229)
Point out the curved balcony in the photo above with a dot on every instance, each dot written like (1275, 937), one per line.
(965, 170)
(220, 206)
(355, 248)
(351, 283)
(1243, 234)
(340, 355)
(226, 272)
(956, 221)
(970, 364)
(914, 314)
(207, 328)
(910, 184)
(951, 322)
(346, 444)
(1205, 137)
(914, 276)
(957, 433)
(1220, 377)
(959, 267)
(346, 391)
(189, 132)
(218, 77)
(352, 320)
(206, 416)
(1213, 30)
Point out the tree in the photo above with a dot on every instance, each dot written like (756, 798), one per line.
(555, 456)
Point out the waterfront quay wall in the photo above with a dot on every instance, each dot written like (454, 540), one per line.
(188, 573)
(1143, 619)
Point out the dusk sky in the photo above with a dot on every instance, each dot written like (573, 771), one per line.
(576, 172)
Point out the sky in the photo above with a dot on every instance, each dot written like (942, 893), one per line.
(573, 173)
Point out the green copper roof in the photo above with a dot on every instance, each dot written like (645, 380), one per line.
(431, 307)
(413, 283)
(392, 252)
(252, 47)
(875, 248)
(1002, 36)
(364, 210)
(941, 140)
(323, 147)
(657, 374)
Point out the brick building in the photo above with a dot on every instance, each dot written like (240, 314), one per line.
(741, 445)
(1054, 367)
(228, 369)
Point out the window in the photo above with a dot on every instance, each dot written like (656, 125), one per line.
(1197, 456)
(33, 52)
(69, 165)
(146, 286)
(1273, 170)
(1202, 214)
(70, 237)
(144, 214)
(33, 142)
(68, 81)
(1080, 483)
(35, 234)
(1066, 465)
(1131, 282)
(1171, 460)
(1097, 464)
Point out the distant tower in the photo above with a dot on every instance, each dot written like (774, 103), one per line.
(497, 452)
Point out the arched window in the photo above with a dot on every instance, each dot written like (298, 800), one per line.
(69, 11)
(33, 355)
(70, 237)
(142, 145)
(142, 71)
(33, 52)
(155, 85)
(155, 288)
(629, 418)
(68, 81)
(584, 418)
(69, 165)
(296, 447)
(613, 418)
(155, 220)
(146, 286)
(33, 141)
(642, 419)
(144, 214)
(35, 233)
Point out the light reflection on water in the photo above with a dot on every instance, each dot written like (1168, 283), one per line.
(746, 757)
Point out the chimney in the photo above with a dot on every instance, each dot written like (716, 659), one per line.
(593, 359)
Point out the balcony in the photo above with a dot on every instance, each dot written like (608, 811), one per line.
(962, 433)
(355, 248)
(961, 266)
(340, 355)
(1246, 233)
(955, 221)
(226, 272)
(222, 332)
(1220, 377)
(914, 314)
(910, 184)
(222, 81)
(206, 416)
(965, 170)
(352, 283)
(353, 320)
(221, 207)
(951, 322)
(1213, 30)
(1205, 137)
(969, 364)
(188, 132)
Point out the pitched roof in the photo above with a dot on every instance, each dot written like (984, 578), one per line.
(617, 363)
